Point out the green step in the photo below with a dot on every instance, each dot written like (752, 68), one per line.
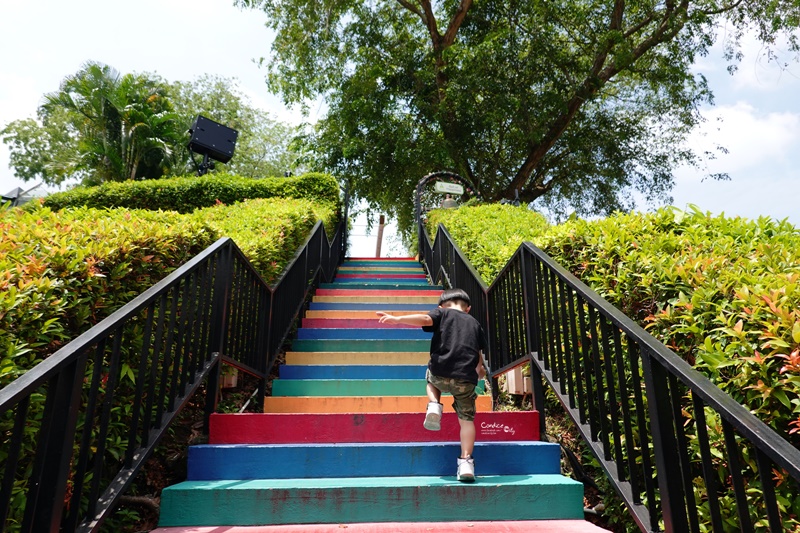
(381, 499)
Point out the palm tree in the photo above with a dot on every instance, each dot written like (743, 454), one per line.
(124, 123)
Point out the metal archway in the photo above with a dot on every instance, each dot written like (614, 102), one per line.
(452, 176)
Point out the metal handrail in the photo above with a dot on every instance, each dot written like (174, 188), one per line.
(660, 430)
(129, 376)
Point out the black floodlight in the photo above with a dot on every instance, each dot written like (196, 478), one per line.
(212, 140)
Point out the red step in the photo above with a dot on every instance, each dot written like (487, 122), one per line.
(292, 428)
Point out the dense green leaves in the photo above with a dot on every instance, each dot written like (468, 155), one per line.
(189, 193)
(577, 104)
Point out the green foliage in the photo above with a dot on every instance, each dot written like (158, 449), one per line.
(577, 102)
(189, 193)
(61, 273)
(489, 234)
(268, 231)
(723, 293)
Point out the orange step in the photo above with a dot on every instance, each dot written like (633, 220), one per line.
(361, 404)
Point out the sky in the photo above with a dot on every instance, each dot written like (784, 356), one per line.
(756, 116)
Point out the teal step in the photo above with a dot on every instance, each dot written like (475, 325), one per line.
(353, 387)
(369, 499)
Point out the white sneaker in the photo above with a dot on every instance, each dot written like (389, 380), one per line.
(433, 417)
(466, 470)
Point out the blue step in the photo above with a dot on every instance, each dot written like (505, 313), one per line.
(352, 372)
(366, 334)
(286, 461)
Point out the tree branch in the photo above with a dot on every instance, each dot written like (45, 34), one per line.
(455, 23)
(411, 7)
(430, 22)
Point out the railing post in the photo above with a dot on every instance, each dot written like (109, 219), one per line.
(48, 483)
(665, 446)
(530, 297)
(223, 273)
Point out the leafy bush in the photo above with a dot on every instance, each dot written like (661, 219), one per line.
(60, 273)
(723, 293)
(269, 231)
(489, 234)
(185, 194)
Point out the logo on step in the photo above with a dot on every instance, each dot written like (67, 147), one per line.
(496, 428)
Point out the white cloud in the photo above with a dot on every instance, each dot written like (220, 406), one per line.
(751, 137)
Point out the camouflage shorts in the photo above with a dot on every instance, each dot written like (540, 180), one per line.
(463, 392)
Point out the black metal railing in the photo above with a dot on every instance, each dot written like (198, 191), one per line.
(78, 427)
(682, 454)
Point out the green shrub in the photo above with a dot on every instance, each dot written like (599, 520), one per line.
(60, 273)
(488, 234)
(185, 194)
(723, 293)
(269, 231)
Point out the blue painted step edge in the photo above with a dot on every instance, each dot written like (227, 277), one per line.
(363, 334)
(352, 372)
(287, 461)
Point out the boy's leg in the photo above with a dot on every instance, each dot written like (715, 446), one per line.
(467, 437)
(433, 414)
(434, 394)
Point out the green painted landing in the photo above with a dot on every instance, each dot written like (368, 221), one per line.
(384, 499)
(353, 387)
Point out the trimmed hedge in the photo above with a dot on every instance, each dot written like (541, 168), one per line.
(723, 293)
(269, 231)
(60, 273)
(185, 194)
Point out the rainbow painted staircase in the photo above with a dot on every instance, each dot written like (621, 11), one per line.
(341, 442)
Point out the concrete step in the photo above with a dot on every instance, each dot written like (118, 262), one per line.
(367, 315)
(375, 306)
(384, 499)
(381, 291)
(358, 358)
(416, 372)
(354, 387)
(367, 281)
(360, 404)
(357, 345)
(288, 428)
(366, 334)
(519, 526)
(379, 263)
(209, 462)
(378, 270)
(371, 276)
(351, 323)
(379, 299)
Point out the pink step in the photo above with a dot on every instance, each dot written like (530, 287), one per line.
(528, 526)
(357, 323)
(378, 292)
(382, 276)
(291, 428)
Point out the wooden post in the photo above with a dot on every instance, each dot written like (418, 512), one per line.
(380, 236)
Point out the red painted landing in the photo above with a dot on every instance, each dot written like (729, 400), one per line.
(538, 526)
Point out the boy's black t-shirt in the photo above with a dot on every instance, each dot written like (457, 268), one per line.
(456, 344)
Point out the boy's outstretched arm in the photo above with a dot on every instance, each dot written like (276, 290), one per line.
(417, 319)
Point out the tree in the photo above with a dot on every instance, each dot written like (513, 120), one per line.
(99, 126)
(264, 146)
(573, 103)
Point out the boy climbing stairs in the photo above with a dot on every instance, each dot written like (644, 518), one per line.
(341, 441)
